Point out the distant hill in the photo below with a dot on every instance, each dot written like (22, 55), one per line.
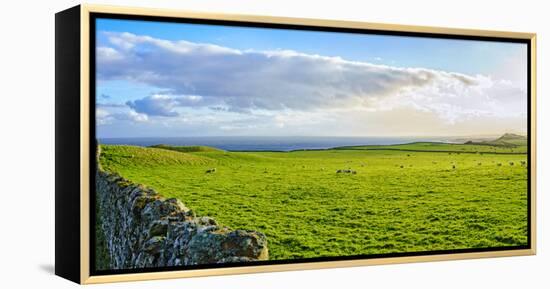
(506, 140)
(187, 149)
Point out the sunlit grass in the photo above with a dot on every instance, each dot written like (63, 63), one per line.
(398, 201)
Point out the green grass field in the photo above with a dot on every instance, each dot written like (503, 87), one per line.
(403, 198)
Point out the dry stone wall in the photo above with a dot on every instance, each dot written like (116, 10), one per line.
(142, 229)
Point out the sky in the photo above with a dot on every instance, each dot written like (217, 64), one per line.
(159, 79)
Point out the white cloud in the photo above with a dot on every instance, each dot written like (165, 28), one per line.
(102, 116)
(136, 117)
(128, 41)
(225, 79)
(108, 54)
(105, 117)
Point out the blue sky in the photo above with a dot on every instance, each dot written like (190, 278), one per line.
(442, 54)
(317, 75)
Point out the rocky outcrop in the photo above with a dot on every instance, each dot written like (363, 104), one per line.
(142, 229)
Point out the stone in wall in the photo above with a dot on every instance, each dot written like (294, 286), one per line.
(143, 229)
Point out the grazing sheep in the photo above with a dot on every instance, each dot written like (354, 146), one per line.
(209, 171)
(348, 171)
(511, 163)
(454, 167)
(523, 163)
(408, 155)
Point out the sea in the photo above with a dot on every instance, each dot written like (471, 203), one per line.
(268, 143)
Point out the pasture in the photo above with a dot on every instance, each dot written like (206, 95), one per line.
(403, 198)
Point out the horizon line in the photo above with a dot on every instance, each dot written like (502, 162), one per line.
(320, 136)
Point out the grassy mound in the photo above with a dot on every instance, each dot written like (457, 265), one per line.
(508, 140)
(187, 149)
(117, 157)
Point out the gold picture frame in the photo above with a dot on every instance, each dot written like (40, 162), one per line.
(82, 164)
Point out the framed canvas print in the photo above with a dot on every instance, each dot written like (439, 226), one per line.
(193, 144)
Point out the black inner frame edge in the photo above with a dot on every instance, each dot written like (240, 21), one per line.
(92, 137)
